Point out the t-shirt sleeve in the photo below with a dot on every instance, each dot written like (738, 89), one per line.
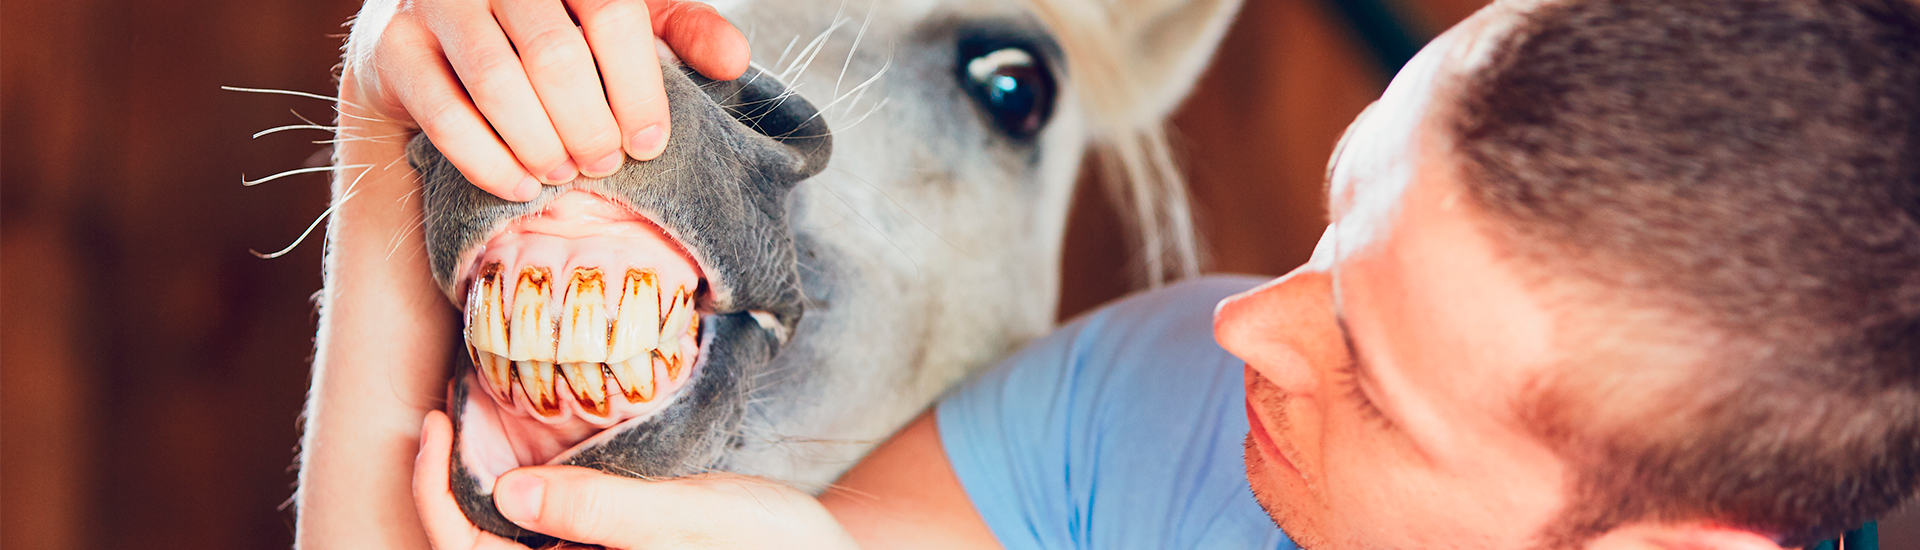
(1123, 429)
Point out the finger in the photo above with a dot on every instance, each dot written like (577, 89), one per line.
(431, 96)
(555, 56)
(493, 76)
(621, 35)
(592, 507)
(584, 505)
(702, 38)
(573, 504)
(432, 495)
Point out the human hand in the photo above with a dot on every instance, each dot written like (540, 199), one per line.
(560, 97)
(583, 505)
(515, 94)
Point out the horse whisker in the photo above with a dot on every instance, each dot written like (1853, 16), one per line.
(303, 234)
(278, 129)
(291, 93)
(294, 172)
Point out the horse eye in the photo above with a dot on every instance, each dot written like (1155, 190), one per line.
(1013, 86)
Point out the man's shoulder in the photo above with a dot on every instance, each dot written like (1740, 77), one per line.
(1141, 347)
(1185, 300)
(1122, 429)
(1152, 343)
(1141, 328)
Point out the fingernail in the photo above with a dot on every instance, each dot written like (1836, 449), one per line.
(527, 190)
(519, 496)
(648, 142)
(565, 173)
(606, 166)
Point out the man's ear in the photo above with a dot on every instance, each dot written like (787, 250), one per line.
(1134, 60)
(1690, 536)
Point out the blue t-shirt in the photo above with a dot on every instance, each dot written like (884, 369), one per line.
(1123, 429)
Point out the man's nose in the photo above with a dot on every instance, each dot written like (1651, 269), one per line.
(1286, 330)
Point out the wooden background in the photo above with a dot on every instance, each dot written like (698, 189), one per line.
(153, 369)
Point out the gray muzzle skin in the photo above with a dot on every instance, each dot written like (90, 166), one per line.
(736, 150)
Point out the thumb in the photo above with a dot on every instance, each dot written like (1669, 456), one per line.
(572, 503)
(584, 505)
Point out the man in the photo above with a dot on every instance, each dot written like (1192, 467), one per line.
(1602, 274)
(1608, 273)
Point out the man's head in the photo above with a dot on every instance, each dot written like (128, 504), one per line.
(1608, 273)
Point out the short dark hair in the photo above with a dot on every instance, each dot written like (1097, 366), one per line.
(1755, 164)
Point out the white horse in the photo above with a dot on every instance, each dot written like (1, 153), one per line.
(828, 245)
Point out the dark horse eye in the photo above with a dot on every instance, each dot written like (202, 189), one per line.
(1014, 87)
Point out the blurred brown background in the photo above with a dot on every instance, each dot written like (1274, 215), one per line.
(154, 369)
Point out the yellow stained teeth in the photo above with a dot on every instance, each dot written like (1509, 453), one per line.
(596, 340)
(583, 319)
(497, 370)
(487, 311)
(635, 377)
(676, 324)
(589, 385)
(536, 379)
(639, 315)
(668, 365)
(693, 329)
(502, 370)
(530, 338)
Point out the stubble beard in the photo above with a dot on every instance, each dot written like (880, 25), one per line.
(1301, 528)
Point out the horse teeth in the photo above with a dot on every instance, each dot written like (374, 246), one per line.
(536, 336)
(487, 311)
(583, 319)
(635, 377)
(589, 385)
(530, 337)
(536, 381)
(498, 372)
(633, 333)
(679, 319)
(675, 368)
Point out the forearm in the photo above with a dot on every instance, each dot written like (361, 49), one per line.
(381, 352)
